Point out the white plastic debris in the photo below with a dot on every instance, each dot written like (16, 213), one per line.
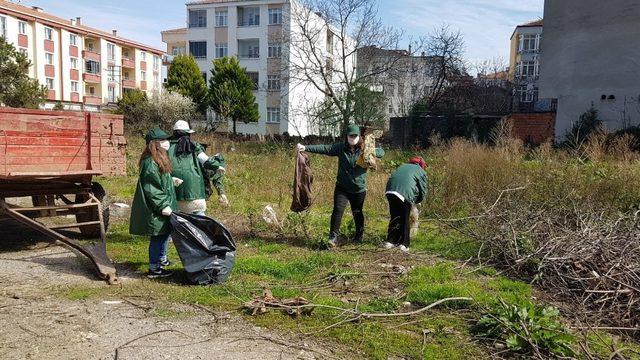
(121, 205)
(269, 215)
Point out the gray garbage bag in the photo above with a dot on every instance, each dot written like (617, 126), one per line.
(206, 248)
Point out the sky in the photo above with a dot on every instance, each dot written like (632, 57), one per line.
(486, 25)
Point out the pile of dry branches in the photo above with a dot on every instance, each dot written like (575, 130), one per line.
(576, 251)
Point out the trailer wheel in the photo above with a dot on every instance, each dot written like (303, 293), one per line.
(93, 231)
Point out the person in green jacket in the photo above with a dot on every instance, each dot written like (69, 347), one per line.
(406, 187)
(189, 163)
(351, 183)
(154, 201)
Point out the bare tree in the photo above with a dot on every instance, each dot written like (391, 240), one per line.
(446, 47)
(328, 37)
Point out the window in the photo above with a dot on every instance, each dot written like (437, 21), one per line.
(526, 94)
(111, 52)
(156, 63)
(143, 56)
(50, 84)
(204, 76)
(48, 57)
(73, 39)
(197, 18)
(275, 50)
(389, 90)
(275, 16)
(529, 43)
(273, 115)
(143, 76)
(528, 69)
(248, 16)
(255, 78)
(111, 73)
(92, 91)
(390, 109)
(178, 50)
(22, 28)
(3, 26)
(74, 63)
(24, 51)
(74, 86)
(112, 94)
(222, 50)
(126, 75)
(249, 49)
(222, 17)
(273, 82)
(92, 67)
(198, 49)
(156, 81)
(48, 33)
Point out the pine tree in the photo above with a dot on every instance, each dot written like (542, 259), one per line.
(185, 78)
(17, 89)
(231, 92)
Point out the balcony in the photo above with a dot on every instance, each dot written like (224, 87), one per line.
(91, 78)
(129, 84)
(92, 100)
(128, 63)
(91, 55)
(249, 49)
(248, 16)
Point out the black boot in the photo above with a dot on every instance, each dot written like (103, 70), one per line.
(359, 238)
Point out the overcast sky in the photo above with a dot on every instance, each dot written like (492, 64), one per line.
(485, 24)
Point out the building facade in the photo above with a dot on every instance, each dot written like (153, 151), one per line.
(257, 32)
(403, 78)
(82, 68)
(590, 58)
(524, 64)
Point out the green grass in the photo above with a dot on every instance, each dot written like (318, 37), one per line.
(284, 260)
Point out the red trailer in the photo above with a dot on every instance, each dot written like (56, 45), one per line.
(51, 158)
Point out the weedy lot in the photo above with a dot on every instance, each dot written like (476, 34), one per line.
(451, 257)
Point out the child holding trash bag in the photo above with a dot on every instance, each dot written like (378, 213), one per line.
(190, 163)
(351, 183)
(155, 201)
(406, 188)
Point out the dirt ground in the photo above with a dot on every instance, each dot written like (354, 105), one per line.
(38, 325)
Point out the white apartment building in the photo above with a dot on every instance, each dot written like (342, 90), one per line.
(257, 33)
(83, 68)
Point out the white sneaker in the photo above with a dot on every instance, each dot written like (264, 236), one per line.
(403, 248)
(387, 245)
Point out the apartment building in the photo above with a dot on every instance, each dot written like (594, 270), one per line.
(83, 68)
(404, 80)
(524, 64)
(590, 58)
(257, 32)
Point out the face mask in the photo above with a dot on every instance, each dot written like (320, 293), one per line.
(165, 145)
(353, 141)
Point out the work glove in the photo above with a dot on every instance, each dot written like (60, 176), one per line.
(167, 211)
(300, 148)
(223, 200)
(221, 170)
(177, 182)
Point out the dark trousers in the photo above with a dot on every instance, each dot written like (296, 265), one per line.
(398, 233)
(340, 201)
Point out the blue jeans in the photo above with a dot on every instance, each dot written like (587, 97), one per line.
(158, 248)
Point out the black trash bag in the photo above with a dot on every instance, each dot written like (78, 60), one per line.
(206, 248)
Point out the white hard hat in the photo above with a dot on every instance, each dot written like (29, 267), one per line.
(182, 125)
